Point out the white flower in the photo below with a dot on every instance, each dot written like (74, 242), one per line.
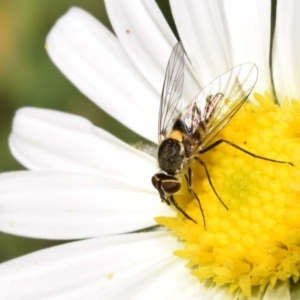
(85, 183)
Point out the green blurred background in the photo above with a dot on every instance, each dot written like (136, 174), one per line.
(28, 78)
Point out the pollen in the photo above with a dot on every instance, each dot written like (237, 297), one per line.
(256, 242)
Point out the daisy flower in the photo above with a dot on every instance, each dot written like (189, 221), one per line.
(83, 183)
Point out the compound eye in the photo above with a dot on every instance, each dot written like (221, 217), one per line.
(155, 181)
(166, 184)
(171, 185)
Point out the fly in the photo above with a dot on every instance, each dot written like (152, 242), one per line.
(184, 135)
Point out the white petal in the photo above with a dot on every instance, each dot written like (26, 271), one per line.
(93, 60)
(280, 291)
(219, 35)
(200, 27)
(295, 290)
(57, 205)
(134, 266)
(50, 140)
(145, 36)
(286, 62)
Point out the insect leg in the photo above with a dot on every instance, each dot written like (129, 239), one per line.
(172, 200)
(218, 142)
(189, 181)
(209, 180)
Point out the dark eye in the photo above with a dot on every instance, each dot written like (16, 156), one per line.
(171, 186)
(166, 184)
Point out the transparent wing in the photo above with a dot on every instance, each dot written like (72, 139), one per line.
(170, 104)
(218, 102)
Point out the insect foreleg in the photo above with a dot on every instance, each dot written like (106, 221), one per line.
(218, 142)
(209, 179)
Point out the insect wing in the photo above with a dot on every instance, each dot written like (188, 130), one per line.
(171, 97)
(218, 102)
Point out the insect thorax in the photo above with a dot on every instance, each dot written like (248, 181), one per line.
(190, 139)
(171, 156)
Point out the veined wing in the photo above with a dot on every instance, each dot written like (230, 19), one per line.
(170, 104)
(218, 102)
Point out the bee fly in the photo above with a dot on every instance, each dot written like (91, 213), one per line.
(184, 135)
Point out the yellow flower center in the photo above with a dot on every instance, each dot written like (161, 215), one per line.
(256, 242)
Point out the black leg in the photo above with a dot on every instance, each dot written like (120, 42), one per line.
(199, 203)
(172, 200)
(215, 144)
(209, 180)
(189, 180)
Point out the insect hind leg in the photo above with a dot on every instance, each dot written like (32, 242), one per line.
(218, 142)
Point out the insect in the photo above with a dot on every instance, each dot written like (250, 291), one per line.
(185, 134)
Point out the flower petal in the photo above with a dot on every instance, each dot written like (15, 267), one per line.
(93, 60)
(57, 205)
(219, 35)
(50, 140)
(286, 63)
(280, 291)
(149, 42)
(135, 266)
